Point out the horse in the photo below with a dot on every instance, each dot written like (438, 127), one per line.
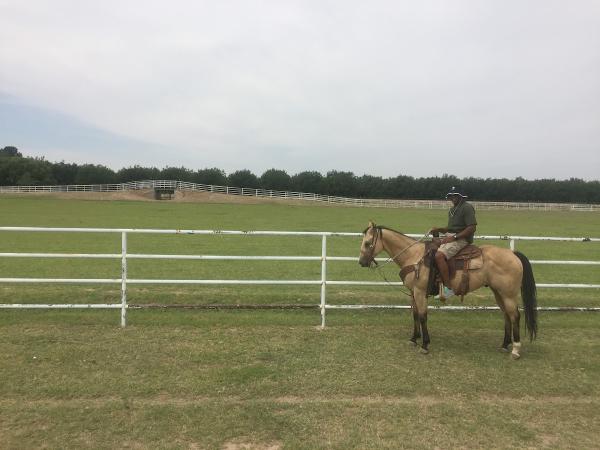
(504, 271)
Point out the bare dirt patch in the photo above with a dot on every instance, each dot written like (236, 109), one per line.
(236, 445)
(141, 195)
(147, 195)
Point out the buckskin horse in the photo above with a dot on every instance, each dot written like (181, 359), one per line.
(504, 271)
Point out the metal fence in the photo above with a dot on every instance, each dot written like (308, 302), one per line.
(286, 195)
(322, 282)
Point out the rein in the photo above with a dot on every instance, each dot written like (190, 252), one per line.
(392, 258)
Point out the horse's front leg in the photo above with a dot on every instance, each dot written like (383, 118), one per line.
(416, 322)
(420, 306)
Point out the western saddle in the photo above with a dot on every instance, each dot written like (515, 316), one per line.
(469, 258)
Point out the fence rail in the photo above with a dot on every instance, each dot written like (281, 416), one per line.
(323, 281)
(287, 195)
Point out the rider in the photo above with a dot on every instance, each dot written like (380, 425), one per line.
(458, 234)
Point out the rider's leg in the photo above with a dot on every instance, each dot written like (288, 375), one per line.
(442, 265)
(443, 254)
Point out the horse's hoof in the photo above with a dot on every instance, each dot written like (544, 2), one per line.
(412, 343)
(424, 351)
(515, 350)
(504, 349)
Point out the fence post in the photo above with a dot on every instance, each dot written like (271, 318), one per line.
(123, 279)
(512, 245)
(323, 278)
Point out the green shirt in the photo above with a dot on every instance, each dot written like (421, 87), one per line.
(460, 217)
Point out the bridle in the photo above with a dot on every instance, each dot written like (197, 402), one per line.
(373, 263)
(371, 247)
(378, 234)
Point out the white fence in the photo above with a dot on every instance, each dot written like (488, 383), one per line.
(322, 282)
(285, 195)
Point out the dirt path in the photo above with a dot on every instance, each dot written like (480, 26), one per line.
(147, 195)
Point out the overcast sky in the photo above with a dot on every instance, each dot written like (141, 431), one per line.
(482, 88)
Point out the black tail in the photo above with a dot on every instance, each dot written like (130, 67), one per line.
(529, 294)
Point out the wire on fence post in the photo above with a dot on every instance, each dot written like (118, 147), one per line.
(123, 279)
(323, 278)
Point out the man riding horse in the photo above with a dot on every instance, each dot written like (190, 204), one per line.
(458, 234)
(504, 271)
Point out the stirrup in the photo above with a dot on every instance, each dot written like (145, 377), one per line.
(445, 293)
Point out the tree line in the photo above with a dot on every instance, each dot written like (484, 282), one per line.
(19, 170)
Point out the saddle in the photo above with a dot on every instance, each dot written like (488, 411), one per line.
(469, 258)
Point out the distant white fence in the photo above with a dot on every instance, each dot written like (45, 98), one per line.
(322, 282)
(285, 195)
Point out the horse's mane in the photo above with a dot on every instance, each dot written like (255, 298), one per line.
(383, 227)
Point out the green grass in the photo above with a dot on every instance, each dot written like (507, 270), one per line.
(203, 379)
(49, 212)
(35, 211)
(273, 379)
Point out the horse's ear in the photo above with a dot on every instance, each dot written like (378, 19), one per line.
(371, 224)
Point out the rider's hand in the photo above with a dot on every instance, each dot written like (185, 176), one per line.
(448, 239)
(435, 232)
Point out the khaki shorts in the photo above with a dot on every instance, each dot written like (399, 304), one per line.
(452, 248)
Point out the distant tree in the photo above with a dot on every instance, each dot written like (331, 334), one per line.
(9, 172)
(177, 174)
(212, 176)
(38, 172)
(402, 186)
(431, 188)
(10, 151)
(94, 174)
(64, 173)
(277, 180)
(18, 170)
(25, 171)
(26, 179)
(369, 186)
(244, 179)
(340, 184)
(137, 173)
(310, 182)
(585, 192)
(471, 186)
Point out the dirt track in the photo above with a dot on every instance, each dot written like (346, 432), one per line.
(147, 195)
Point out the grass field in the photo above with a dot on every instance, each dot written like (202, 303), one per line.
(273, 379)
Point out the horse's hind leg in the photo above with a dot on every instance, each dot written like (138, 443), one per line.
(515, 317)
(508, 322)
(511, 310)
(507, 333)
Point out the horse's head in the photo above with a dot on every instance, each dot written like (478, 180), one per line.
(371, 245)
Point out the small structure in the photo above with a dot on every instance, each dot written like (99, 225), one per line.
(163, 193)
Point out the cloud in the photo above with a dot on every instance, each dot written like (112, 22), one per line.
(65, 137)
(384, 87)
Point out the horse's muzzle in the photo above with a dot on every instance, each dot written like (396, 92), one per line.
(366, 262)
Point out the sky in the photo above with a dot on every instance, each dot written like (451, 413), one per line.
(471, 88)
